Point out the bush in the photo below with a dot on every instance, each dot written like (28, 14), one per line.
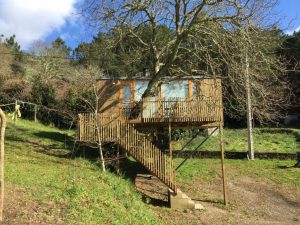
(43, 93)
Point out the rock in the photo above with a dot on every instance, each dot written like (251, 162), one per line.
(198, 206)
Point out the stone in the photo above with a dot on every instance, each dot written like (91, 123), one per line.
(198, 206)
(180, 200)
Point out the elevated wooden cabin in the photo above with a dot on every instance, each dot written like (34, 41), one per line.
(181, 101)
(134, 122)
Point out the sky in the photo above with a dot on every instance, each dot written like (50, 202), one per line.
(45, 20)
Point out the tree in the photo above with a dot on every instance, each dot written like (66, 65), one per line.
(61, 47)
(17, 66)
(50, 62)
(291, 50)
(180, 16)
(117, 56)
(211, 37)
(5, 63)
(91, 74)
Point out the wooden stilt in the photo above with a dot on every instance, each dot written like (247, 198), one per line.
(222, 162)
(118, 159)
(35, 113)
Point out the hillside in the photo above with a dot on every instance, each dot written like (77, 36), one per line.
(45, 186)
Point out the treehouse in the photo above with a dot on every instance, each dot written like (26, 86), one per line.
(141, 126)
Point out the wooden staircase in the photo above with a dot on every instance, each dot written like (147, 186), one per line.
(112, 129)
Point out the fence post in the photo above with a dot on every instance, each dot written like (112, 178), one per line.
(35, 112)
(2, 133)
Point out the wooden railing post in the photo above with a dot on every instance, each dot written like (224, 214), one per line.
(2, 134)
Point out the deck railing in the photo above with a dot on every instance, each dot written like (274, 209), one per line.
(111, 129)
(175, 109)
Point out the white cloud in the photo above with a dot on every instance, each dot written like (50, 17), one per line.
(30, 20)
(290, 32)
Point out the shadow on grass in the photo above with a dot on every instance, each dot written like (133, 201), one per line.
(131, 169)
(285, 167)
(55, 137)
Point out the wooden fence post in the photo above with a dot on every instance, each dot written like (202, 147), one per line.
(222, 164)
(2, 134)
(35, 112)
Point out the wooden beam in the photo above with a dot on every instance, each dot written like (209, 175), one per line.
(222, 164)
(190, 89)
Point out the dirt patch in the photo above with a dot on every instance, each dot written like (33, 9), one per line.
(251, 202)
(18, 209)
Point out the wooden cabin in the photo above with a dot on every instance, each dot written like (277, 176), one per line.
(134, 122)
(186, 100)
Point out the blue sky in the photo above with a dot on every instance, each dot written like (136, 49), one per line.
(45, 20)
(289, 11)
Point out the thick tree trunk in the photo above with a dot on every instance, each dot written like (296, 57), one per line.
(2, 134)
(249, 112)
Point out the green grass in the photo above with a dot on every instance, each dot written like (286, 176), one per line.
(265, 140)
(84, 193)
(38, 161)
(278, 171)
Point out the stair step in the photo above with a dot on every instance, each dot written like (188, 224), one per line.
(180, 200)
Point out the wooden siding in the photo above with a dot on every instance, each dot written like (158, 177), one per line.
(109, 93)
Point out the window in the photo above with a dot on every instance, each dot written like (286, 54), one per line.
(140, 87)
(126, 91)
(175, 89)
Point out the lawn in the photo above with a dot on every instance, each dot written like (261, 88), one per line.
(280, 172)
(265, 140)
(37, 160)
(38, 163)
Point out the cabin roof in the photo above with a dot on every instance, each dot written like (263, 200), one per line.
(163, 78)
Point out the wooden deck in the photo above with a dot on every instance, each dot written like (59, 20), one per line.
(176, 110)
(121, 128)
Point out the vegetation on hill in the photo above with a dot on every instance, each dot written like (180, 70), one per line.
(54, 76)
(38, 161)
(73, 190)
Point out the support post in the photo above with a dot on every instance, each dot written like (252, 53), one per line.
(222, 164)
(2, 134)
(170, 137)
(118, 159)
(15, 118)
(35, 112)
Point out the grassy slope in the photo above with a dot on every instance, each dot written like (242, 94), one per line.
(265, 140)
(37, 161)
(278, 171)
(49, 176)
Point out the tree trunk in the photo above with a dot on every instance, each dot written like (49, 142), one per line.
(2, 134)
(99, 141)
(249, 112)
(97, 123)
